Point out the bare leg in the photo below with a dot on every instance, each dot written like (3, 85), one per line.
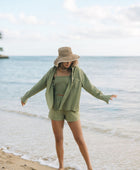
(78, 135)
(58, 133)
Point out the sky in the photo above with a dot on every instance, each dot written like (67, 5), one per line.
(89, 27)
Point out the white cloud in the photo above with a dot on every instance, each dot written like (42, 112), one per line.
(8, 16)
(23, 35)
(132, 13)
(70, 5)
(21, 18)
(91, 12)
(104, 21)
(53, 23)
(29, 19)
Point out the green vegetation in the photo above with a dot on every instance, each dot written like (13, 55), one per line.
(1, 49)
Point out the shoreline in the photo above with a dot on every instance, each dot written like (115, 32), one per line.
(9, 161)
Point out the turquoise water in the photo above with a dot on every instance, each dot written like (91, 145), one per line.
(118, 122)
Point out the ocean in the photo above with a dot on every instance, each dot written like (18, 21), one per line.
(111, 131)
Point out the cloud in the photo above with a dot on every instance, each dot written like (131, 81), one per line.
(70, 5)
(9, 17)
(91, 12)
(21, 18)
(29, 19)
(132, 13)
(104, 21)
(23, 35)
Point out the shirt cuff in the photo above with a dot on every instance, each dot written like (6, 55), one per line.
(23, 99)
(107, 98)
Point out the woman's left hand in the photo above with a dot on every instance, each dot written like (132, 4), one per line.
(22, 103)
(113, 96)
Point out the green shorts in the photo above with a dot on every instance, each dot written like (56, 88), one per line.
(69, 116)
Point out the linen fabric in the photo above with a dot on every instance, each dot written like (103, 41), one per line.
(71, 97)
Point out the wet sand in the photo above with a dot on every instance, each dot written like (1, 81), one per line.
(9, 161)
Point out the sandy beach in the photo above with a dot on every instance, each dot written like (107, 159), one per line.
(9, 161)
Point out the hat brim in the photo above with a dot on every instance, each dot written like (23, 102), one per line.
(69, 58)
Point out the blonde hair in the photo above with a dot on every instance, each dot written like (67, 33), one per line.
(73, 64)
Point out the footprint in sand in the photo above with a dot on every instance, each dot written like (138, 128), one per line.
(9, 162)
(30, 168)
(33, 168)
(24, 166)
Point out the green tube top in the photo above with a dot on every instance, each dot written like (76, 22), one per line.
(60, 86)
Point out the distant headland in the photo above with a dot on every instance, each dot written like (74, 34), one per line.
(4, 56)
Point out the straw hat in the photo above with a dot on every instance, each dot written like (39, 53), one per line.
(65, 55)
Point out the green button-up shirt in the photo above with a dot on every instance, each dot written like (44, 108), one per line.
(71, 98)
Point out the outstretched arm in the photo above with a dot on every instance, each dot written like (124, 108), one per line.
(86, 84)
(35, 89)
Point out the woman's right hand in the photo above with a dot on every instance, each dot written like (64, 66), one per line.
(22, 103)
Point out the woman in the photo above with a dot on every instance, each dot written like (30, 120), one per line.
(63, 83)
